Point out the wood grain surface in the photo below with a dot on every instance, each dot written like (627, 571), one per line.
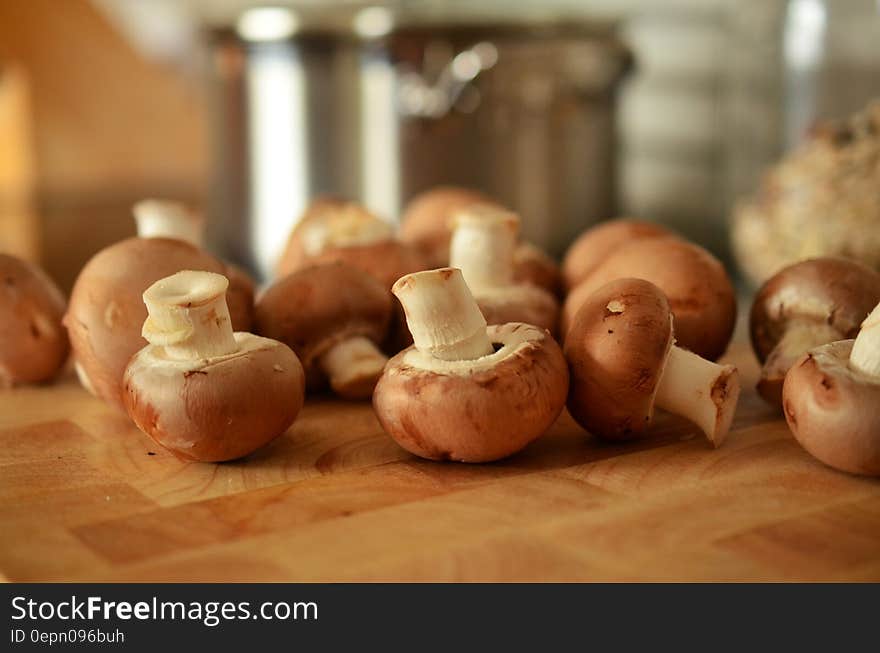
(85, 496)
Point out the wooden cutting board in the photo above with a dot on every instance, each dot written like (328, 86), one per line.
(85, 496)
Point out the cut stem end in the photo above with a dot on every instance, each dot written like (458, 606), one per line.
(442, 315)
(188, 316)
(701, 391)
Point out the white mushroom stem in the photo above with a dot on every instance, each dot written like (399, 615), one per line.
(188, 316)
(442, 316)
(701, 391)
(483, 246)
(865, 355)
(352, 362)
(167, 219)
(801, 336)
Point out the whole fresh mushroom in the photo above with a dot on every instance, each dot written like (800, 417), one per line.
(832, 401)
(696, 284)
(623, 360)
(483, 244)
(594, 245)
(198, 389)
(427, 223)
(319, 209)
(106, 309)
(334, 230)
(805, 305)
(329, 223)
(156, 218)
(333, 317)
(33, 343)
(465, 391)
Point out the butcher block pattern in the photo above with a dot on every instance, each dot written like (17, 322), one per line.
(85, 496)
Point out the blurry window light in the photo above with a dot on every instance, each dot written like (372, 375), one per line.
(267, 24)
(373, 22)
(276, 92)
(804, 38)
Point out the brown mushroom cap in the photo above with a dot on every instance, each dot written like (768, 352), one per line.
(107, 311)
(699, 292)
(383, 257)
(33, 344)
(594, 245)
(321, 207)
(616, 349)
(524, 303)
(474, 411)
(294, 255)
(426, 219)
(387, 260)
(218, 409)
(320, 306)
(534, 266)
(833, 291)
(834, 410)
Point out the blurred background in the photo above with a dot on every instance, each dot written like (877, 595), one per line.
(570, 111)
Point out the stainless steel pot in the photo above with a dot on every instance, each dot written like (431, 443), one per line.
(379, 107)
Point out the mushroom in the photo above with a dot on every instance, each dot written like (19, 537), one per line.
(594, 245)
(329, 225)
(831, 397)
(465, 391)
(334, 230)
(805, 305)
(386, 260)
(427, 224)
(168, 219)
(699, 291)
(106, 310)
(332, 316)
(425, 221)
(533, 266)
(483, 244)
(33, 344)
(198, 389)
(623, 361)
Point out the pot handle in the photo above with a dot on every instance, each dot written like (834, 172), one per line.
(419, 98)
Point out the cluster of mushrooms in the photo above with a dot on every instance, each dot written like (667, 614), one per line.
(469, 341)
